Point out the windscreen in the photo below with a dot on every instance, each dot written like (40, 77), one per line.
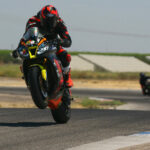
(32, 34)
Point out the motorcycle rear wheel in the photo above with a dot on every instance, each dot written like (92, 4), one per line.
(36, 87)
(63, 113)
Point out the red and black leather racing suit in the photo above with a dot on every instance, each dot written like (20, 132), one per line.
(60, 30)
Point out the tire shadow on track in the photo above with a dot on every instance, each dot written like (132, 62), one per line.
(27, 124)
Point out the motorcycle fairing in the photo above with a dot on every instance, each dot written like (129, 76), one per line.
(55, 103)
(55, 99)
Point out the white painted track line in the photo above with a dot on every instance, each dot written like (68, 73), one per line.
(116, 143)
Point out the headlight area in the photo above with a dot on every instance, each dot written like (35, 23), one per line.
(42, 49)
(24, 53)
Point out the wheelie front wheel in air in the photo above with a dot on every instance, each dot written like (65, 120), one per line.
(37, 87)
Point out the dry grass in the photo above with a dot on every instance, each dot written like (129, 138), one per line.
(85, 102)
(12, 70)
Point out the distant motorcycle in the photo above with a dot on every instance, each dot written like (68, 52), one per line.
(145, 84)
(146, 87)
(44, 77)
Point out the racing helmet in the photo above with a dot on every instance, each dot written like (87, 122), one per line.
(49, 16)
(142, 75)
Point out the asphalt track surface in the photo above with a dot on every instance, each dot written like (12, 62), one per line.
(34, 129)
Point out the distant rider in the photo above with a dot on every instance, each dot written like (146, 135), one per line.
(143, 79)
(51, 26)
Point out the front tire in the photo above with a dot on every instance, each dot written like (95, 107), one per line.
(36, 89)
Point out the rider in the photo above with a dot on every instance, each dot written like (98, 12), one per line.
(143, 79)
(51, 25)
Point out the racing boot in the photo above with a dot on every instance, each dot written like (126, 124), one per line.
(68, 80)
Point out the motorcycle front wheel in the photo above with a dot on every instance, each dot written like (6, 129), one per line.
(37, 87)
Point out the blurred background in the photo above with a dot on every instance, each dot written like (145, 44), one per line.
(95, 25)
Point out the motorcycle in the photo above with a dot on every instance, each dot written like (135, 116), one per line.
(44, 77)
(146, 87)
(145, 84)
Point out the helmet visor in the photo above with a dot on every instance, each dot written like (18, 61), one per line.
(49, 22)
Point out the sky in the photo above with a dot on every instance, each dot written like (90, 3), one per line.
(94, 25)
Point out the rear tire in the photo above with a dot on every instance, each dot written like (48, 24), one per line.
(63, 113)
(34, 77)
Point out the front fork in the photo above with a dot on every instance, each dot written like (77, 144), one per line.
(43, 70)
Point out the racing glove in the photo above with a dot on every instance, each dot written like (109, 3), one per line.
(64, 42)
(15, 53)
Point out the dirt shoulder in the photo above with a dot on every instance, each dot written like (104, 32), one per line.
(108, 84)
(80, 83)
